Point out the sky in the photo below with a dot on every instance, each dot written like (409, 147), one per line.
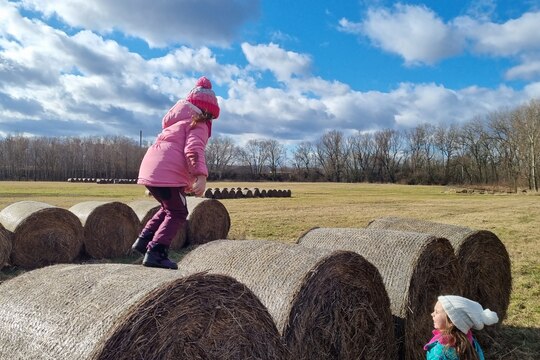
(289, 70)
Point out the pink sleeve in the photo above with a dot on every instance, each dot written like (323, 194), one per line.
(196, 140)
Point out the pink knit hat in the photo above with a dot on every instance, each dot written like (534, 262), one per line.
(203, 97)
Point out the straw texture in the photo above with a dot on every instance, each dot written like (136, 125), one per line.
(109, 228)
(121, 312)
(145, 209)
(484, 261)
(208, 220)
(5, 246)
(415, 269)
(41, 234)
(326, 304)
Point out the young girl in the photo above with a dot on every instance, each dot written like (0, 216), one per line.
(173, 165)
(453, 318)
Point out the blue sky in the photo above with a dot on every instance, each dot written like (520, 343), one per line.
(282, 69)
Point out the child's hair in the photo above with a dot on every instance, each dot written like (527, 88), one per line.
(202, 117)
(458, 340)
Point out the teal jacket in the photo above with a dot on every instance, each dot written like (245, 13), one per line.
(437, 351)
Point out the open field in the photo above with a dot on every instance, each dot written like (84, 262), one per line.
(514, 218)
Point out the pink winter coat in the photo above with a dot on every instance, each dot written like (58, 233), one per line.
(177, 156)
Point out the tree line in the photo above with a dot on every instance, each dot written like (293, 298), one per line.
(500, 148)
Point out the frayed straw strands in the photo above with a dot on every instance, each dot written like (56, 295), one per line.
(42, 234)
(415, 269)
(483, 258)
(145, 209)
(109, 228)
(326, 304)
(127, 312)
(5, 246)
(208, 220)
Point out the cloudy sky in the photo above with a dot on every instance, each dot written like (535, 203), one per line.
(282, 69)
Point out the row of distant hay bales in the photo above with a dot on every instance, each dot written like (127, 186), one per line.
(239, 193)
(362, 293)
(35, 234)
(102, 180)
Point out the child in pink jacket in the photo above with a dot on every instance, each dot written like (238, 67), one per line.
(174, 165)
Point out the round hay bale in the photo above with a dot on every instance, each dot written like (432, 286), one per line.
(145, 210)
(208, 194)
(415, 268)
(225, 193)
(263, 193)
(41, 234)
(208, 220)
(326, 304)
(247, 193)
(256, 192)
(217, 193)
(485, 263)
(110, 228)
(121, 312)
(5, 246)
(233, 193)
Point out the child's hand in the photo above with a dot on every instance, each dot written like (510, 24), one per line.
(199, 186)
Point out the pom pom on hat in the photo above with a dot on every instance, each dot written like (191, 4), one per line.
(466, 314)
(203, 97)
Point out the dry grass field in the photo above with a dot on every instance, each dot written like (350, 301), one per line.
(514, 218)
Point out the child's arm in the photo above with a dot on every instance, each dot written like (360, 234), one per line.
(196, 140)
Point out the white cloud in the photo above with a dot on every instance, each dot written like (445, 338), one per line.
(513, 37)
(283, 64)
(158, 22)
(414, 32)
(528, 70)
(59, 84)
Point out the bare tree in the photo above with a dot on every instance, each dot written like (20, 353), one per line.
(276, 155)
(506, 145)
(221, 153)
(527, 124)
(255, 156)
(304, 158)
(331, 155)
(446, 140)
(389, 153)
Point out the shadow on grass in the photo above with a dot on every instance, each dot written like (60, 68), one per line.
(510, 343)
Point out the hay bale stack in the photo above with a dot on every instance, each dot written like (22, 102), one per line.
(5, 246)
(482, 256)
(217, 194)
(208, 193)
(326, 304)
(247, 193)
(208, 220)
(225, 193)
(233, 193)
(109, 228)
(145, 210)
(121, 312)
(41, 234)
(415, 268)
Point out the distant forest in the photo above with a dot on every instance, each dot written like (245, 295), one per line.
(501, 148)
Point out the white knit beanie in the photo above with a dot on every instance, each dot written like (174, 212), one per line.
(466, 314)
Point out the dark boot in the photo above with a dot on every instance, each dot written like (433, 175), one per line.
(141, 243)
(158, 256)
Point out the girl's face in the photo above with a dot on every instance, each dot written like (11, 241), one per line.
(440, 321)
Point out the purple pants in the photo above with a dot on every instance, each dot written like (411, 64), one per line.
(167, 220)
